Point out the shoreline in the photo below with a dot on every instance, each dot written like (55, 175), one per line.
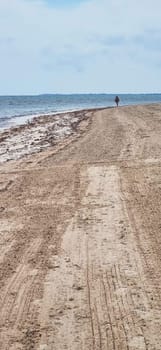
(15, 119)
(19, 120)
(40, 133)
(47, 131)
(23, 120)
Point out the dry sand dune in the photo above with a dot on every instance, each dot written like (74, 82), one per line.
(80, 238)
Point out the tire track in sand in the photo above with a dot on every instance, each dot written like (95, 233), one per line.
(15, 299)
(88, 297)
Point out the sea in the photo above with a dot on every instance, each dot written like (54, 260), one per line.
(15, 110)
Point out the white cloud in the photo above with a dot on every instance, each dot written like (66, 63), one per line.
(94, 46)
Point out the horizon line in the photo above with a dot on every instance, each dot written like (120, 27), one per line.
(80, 93)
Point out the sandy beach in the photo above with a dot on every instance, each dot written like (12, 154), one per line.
(80, 231)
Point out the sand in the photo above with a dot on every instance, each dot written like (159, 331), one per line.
(80, 240)
(38, 134)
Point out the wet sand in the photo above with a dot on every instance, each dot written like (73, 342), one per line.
(39, 133)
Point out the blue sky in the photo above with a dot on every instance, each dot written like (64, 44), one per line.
(72, 46)
(64, 3)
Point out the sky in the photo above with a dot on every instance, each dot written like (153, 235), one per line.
(80, 46)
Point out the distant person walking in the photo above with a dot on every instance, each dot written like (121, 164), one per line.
(117, 100)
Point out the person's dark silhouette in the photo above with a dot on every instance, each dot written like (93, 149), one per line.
(117, 100)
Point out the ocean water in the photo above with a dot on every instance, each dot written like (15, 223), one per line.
(18, 109)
